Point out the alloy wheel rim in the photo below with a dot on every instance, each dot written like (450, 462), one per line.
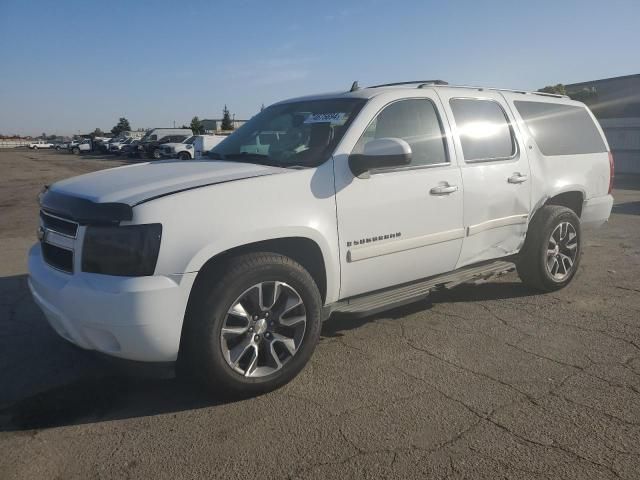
(562, 251)
(263, 329)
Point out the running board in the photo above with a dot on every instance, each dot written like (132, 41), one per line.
(396, 295)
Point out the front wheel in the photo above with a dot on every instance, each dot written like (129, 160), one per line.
(35, 147)
(157, 154)
(76, 151)
(551, 253)
(184, 156)
(255, 328)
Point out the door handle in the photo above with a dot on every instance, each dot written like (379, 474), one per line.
(517, 178)
(445, 189)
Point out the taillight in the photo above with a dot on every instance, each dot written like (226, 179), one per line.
(611, 170)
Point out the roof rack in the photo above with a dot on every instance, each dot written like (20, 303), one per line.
(422, 82)
(496, 89)
(442, 83)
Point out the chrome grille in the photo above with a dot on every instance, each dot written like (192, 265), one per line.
(60, 225)
(57, 236)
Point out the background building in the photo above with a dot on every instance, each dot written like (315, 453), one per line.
(212, 126)
(616, 104)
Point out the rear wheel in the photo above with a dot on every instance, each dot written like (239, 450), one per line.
(255, 327)
(551, 253)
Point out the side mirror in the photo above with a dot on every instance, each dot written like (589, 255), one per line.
(380, 153)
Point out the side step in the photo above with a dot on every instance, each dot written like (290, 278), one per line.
(404, 293)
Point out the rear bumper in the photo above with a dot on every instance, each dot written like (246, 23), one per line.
(596, 211)
(135, 318)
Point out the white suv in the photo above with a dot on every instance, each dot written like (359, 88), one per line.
(365, 199)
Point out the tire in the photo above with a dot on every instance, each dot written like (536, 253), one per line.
(208, 354)
(35, 147)
(553, 228)
(156, 154)
(184, 156)
(76, 151)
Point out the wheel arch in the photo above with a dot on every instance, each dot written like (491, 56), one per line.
(572, 199)
(303, 250)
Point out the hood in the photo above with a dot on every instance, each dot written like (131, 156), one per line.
(133, 184)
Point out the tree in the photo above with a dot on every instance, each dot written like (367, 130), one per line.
(122, 126)
(227, 124)
(262, 107)
(585, 95)
(557, 89)
(196, 126)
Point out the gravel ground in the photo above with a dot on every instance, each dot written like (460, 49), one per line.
(489, 381)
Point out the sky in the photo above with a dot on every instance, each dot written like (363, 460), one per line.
(73, 66)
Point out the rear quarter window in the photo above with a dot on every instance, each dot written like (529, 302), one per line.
(561, 129)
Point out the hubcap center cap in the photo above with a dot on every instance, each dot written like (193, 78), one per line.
(260, 326)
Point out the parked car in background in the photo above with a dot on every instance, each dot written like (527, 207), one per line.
(152, 148)
(85, 146)
(40, 144)
(157, 135)
(391, 192)
(130, 150)
(116, 145)
(193, 147)
(74, 143)
(61, 145)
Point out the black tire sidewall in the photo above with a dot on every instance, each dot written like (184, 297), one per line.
(214, 309)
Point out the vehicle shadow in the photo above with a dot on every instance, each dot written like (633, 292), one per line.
(339, 323)
(47, 382)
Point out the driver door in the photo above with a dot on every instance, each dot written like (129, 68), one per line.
(402, 223)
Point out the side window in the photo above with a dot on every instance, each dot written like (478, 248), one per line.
(561, 129)
(417, 122)
(484, 130)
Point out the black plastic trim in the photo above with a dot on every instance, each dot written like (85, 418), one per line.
(84, 211)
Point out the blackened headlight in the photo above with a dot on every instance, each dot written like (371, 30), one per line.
(129, 251)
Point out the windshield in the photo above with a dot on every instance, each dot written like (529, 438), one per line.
(190, 140)
(291, 134)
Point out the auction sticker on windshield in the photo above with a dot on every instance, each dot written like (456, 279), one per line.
(337, 118)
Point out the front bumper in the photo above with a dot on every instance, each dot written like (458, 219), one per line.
(596, 211)
(136, 318)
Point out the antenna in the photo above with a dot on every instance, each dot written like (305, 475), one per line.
(354, 86)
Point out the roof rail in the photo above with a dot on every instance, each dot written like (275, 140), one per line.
(555, 95)
(496, 89)
(423, 82)
(442, 83)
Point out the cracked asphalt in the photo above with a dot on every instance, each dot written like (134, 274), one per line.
(488, 381)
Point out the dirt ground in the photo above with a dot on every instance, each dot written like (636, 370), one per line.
(489, 381)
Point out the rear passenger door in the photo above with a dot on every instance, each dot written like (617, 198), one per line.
(495, 174)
